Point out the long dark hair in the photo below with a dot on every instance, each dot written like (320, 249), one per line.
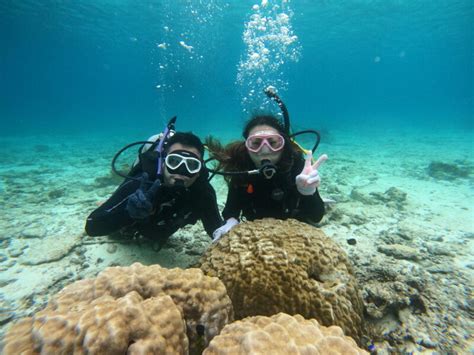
(234, 156)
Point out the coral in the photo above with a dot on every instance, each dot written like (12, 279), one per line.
(281, 334)
(271, 266)
(103, 326)
(202, 300)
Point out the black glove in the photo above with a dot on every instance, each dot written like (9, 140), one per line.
(140, 203)
(178, 188)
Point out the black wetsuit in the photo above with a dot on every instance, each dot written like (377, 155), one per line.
(173, 209)
(257, 197)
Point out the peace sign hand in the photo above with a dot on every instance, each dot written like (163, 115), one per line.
(308, 180)
(140, 203)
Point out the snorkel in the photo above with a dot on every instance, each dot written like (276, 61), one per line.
(159, 150)
(271, 93)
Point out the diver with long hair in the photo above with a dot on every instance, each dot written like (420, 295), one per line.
(268, 174)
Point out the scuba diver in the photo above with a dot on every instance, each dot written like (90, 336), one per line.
(269, 174)
(166, 189)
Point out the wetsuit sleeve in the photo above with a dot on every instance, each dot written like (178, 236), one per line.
(311, 208)
(234, 204)
(112, 215)
(210, 216)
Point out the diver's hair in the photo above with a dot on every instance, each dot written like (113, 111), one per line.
(186, 138)
(267, 120)
(234, 156)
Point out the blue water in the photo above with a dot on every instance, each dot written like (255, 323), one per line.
(82, 66)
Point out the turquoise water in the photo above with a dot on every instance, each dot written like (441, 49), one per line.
(78, 66)
(388, 83)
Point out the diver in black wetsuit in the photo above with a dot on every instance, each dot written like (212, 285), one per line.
(286, 186)
(156, 207)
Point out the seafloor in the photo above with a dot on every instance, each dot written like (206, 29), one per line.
(402, 209)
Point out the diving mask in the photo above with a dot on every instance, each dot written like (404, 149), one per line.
(274, 141)
(183, 163)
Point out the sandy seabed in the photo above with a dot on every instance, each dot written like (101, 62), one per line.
(399, 203)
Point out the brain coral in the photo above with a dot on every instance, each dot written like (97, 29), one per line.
(281, 334)
(103, 326)
(202, 300)
(270, 266)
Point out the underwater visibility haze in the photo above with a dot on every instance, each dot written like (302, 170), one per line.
(75, 66)
(388, 84)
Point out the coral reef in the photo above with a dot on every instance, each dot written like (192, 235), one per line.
(202, 300)
(281, 334)
(271, 266)
(104, 325)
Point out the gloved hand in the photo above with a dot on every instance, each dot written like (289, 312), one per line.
(140, 203)
(308, 180)
(219, 232)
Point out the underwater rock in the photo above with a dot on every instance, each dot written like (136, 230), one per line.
(391, 236)
(440, 250)
(359, 218)
(414, 308)
(399, 251)
(396, 194)
(446, 171)
(329, 203)
(6, 282)
(111, 248)
(393, 197)
(408, 230)
(32, 232)
(271, 266)
(194, 251)
(360, 196)
(334, 214)
(51, 248)
(387, 298)
(175, 242)
(441, 269)
(16, 248)
(57, 193)
(6, 313)
(7, 264)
